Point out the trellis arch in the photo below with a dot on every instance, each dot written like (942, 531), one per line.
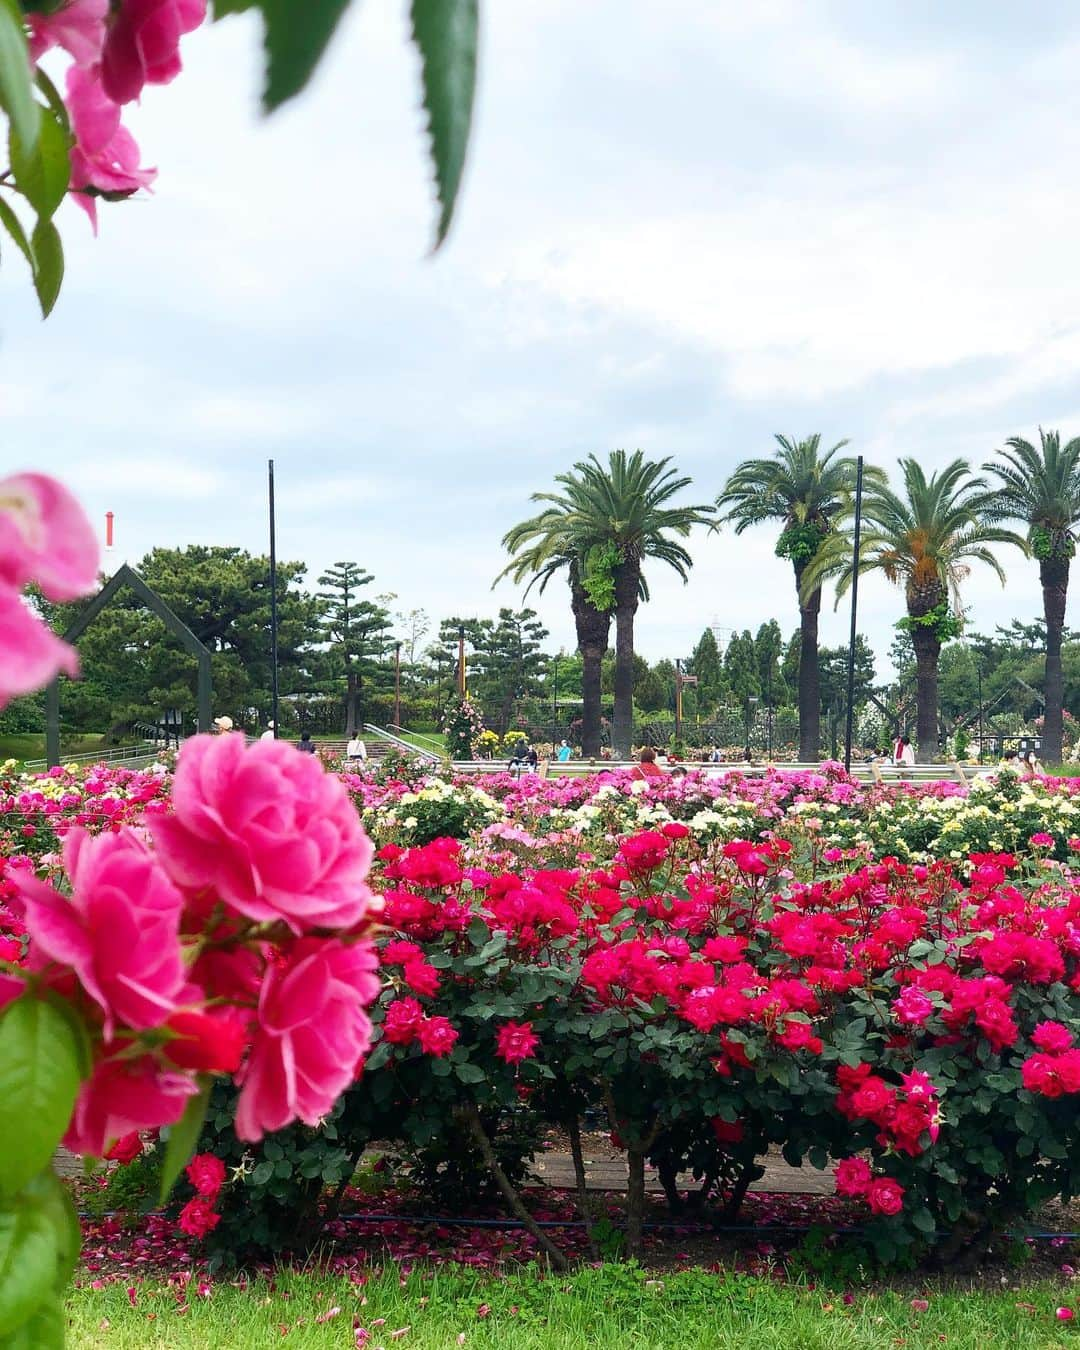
(127, 576)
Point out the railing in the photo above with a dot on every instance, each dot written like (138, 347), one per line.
(434, 755)
(120, 754)
(581, 768)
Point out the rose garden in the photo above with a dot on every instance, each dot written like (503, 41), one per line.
(456, 1044)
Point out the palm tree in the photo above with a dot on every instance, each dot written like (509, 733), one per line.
(544, 547)
(923, 541)
(608, 519)
(806, 491)
(1042, 489)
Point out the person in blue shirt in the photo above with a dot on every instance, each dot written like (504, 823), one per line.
(564, 752)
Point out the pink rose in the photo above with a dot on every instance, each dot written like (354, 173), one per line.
(913, 1007)
(266, 831)
(44, 537)
(105, 157)
(1051, 1036)
(207, 1174)
(402, 1021)
(123, 1095)
(143, 46)
(30, 654)
(78, 27)
(516, 1041)
(313, 1034)
(119, 931)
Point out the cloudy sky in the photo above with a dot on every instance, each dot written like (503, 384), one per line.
(684, 227)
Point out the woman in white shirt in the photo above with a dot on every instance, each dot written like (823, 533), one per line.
(356, 752)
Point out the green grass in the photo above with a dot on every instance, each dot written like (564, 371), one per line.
(31, 745)
(424, 741)
(611, 1307)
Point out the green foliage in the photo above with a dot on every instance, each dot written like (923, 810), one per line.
(799, 542)
(463, 725)
(598, 575)
(131, 1189)
(272, 1201)
(942, 621)
(1046, 543)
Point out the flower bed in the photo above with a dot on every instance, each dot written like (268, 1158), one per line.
(717, 968)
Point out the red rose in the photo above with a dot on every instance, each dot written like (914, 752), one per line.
(198, 1218)
(126, 1149)
(885, 1196)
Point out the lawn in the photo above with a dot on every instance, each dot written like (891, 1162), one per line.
(609, 1307)
(429, 740)
(31, 745)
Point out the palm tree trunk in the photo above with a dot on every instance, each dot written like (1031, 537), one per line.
(809, 676)
(927, 650)
(1054, 575)
(626, 603)
(592, 634)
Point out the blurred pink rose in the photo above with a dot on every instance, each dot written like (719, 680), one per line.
(30, 653)
(268, 832)
(118, 932)
(105, 156)
(123, 1095)
(143, 46)
(313, 1035)
(78, 27)
(44, 537)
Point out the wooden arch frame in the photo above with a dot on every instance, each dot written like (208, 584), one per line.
(127, 576)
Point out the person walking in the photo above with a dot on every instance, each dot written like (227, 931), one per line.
(269, 734)
(647, 767)
(307, 745)
(903, 753)
(564, 752)
(223, 725)
(356, 752)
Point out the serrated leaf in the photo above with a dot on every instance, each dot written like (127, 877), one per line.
(16, 90)
(183, 1136)
(296, 36)
(39, 1080)
(43, 171)
(445, 32)
(27, 1263)
(48, 264)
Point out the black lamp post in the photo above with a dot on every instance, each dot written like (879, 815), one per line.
(554, 701)
(749, 723)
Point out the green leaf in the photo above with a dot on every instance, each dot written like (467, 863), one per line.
(469, 1073)
(53, 1198)
(43, 171)
(48, 264)
(445, 32)
(16, 91)
(183, 1136)
(39, 1080)
(27, 1263)
(53, 98)
(13, 225)
(296, 35)
(43, 1331)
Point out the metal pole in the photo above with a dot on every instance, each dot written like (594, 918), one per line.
(768, 710)
(397, 686)
(978, 667)
(678, 697)
(273, 609)
(461, 661)
(554, 703)
(854, 615)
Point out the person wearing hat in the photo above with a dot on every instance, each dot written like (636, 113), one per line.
(269, 734)
(223, 725)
